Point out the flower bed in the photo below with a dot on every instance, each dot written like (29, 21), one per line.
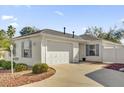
(115, 66)
(22, 78)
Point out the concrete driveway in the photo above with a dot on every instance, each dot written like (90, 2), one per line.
(70, 75)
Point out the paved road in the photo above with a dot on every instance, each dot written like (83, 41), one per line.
(70, 75)
(108, 77)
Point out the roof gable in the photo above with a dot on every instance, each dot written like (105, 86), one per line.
(58, 33)
(88, 37)
(52, 32)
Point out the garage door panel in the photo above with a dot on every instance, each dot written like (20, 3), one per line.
(120, 53)
(108, 54)
(58, 53)
(113, 55)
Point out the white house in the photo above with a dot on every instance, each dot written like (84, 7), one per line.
(55, 47)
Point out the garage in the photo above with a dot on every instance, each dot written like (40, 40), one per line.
(109, 54)
(113, 54)
(59, 52)
(119, 54)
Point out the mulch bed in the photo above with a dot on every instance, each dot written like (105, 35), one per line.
(115, 66)
(26, 77)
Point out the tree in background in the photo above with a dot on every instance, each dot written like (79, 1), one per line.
(2, 34)
(6, 37)
(27, 30)
(4, 41)
(11, 31)
(96, 31)
(5, 44)
(114, 34)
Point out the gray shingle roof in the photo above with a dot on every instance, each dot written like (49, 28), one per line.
(58, 33)
(54, 32)
(88, 37)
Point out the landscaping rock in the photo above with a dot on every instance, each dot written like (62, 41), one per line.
(1, 68)
(115, 66)
(21, 78)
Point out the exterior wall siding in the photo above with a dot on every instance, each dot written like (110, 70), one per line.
(36, 55)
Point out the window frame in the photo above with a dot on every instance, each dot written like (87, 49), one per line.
(29, 53)
(96, 51)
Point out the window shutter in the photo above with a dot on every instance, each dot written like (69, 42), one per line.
(14, 49)
(30, 48)
(87, 51)
(22, 49)
(97, 49)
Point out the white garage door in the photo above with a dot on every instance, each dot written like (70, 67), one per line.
(108, 54)
(119, 55)
(113, 54)
(59, 53)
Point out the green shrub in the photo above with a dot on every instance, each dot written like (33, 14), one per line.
(1, 62)
(21, 67)
(44, 67)
(7, 65)
(40, 68)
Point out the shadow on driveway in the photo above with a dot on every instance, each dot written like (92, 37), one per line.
(108, 77)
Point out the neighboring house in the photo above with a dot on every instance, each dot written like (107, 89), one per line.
(54, 47)
(4, 54)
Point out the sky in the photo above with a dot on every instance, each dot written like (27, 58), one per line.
(74, 18)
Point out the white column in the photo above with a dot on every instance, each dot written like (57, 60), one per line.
(43, 50)
(75, 52)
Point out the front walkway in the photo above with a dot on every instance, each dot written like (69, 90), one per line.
(70, 75)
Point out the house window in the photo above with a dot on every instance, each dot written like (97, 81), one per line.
(27, 49)
(27, 53)
(92, 50)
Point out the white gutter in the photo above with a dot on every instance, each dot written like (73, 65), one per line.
(27, 36)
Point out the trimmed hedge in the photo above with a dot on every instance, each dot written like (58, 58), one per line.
(18, 67)
(1, 62)
(7, 65)
(40, 68)
(21, 67)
